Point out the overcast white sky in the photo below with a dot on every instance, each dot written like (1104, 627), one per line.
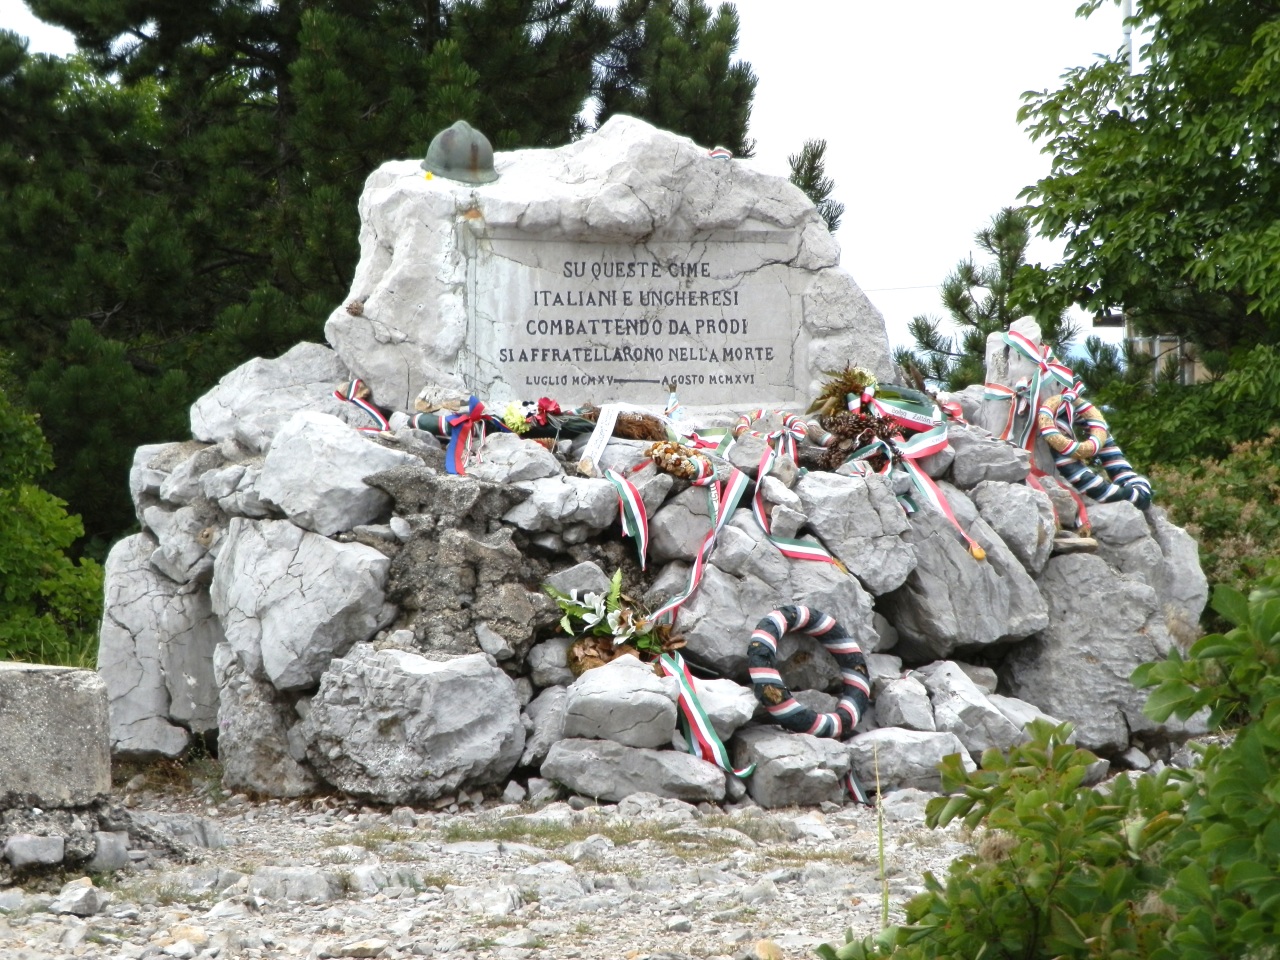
(917, 104)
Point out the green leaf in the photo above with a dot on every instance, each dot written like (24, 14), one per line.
(1231, 605)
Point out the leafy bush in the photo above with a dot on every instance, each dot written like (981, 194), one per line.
(1059, 870)
(1226, 890)
(1180, 865)
(49, 605)
(1231, 506)
(1175, 423)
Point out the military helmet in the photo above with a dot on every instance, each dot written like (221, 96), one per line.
(461, 153)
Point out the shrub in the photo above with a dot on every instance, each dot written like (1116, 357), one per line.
(1230, 505)
(1180, 865)
(1059, 870)
(49, 605)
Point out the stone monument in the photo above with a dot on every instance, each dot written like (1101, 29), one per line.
(601, 271)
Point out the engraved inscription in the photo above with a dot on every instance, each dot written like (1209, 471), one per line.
(630, 321)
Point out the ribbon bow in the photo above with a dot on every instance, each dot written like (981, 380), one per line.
(784, 439)
(855, 402)
(351, 394)
(462, 427)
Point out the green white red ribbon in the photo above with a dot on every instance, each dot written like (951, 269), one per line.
(634, 519)
(1024, 402)
(348, 395)
(699, 734)
(783, 440)
(720, 507)
(795, 549)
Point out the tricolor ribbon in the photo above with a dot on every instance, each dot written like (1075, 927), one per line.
(922, 444)
(783, 440)
(700, 736)
(855, 401)
(1024, 402)
(795, 549)
(462, 427)
(635, 521)
(717, 440)
(349, 395)
(720, 506)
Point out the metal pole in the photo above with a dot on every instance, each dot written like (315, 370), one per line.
(1126, 14)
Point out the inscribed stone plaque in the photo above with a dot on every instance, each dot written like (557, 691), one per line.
(597, 271)
(603, 322)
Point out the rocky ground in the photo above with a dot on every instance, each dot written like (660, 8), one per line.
(327, 877)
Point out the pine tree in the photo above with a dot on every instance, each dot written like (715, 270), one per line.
(808, 172)
(671, 64)
(183, 196)
(981, 300)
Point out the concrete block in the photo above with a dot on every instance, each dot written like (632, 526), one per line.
(53, 725)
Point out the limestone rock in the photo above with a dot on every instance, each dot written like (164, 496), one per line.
(1181, 583)
(747, 577)
(1021, 516)
(628, 187)
(905, 703)
(584, 578)
(906, 758)
(728, 705)
(305, 884)
(484, 574)
(253, 733)
(24, 850)
(1102, 625)
(623, 701)
(547, 664)
(1125, 541)
(1021, 713)
(183, 484)
(397, 728)
(792, 769)
(508, 458)
(556, 503)
(608, 770)
(979, 457)
(546, 715)
(80, 898)
(315, 473)
(677, 530)
(155, 654)
(289, 600)
(253, 401)
(862, 523)
(959, 707)
(951, 600)
(185, 537)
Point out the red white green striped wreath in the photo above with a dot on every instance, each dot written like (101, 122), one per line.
(762, 664)
(1056, 421)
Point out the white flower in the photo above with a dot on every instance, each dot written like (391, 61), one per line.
(595, 604)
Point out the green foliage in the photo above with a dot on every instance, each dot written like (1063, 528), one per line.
(49, 605)
(671, 63)
(611, 614)
(182, 196)
(1060, 870)
(1226, 890)
(808, 172)
(1176, 865)
(981, 301)
(1162, 183)
(1231, 506)
(1175, 423)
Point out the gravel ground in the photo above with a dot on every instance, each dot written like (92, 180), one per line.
(325, 877)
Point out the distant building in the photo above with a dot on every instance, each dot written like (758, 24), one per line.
(1162, 346)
